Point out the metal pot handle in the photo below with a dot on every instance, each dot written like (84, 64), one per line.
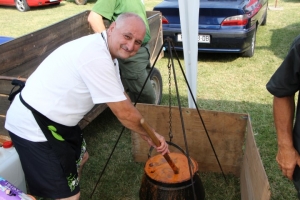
(174, 145)
(169, 143)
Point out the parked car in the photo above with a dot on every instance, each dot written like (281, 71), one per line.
(24, 5)
(224, 26)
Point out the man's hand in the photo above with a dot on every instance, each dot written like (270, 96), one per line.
(163, 148)
(287, 159)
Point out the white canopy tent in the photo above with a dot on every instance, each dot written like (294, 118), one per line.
(189, 20)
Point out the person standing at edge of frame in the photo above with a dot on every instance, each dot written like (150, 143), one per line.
(284, 84)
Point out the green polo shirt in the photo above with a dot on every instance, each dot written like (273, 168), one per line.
(113, 8)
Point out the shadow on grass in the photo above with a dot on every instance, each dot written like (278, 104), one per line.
(207, 57)
(89, 1)
(279, 44)
(8, 8)
(281, 39)
(293, 1)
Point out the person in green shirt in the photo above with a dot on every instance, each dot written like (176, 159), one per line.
(134, 70)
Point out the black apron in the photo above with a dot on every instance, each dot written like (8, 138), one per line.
(66, 142)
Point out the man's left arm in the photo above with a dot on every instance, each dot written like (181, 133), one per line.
(287, 156)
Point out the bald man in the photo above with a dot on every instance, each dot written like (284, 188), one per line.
(42, 120)
(134, 70)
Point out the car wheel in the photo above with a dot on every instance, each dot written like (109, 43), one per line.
(264, 22)
(22, 5)
(80, 2)
(250, 52)
(157, 84)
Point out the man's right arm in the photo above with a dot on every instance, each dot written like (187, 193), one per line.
(96, 22)
(130, 117)
(287, 156)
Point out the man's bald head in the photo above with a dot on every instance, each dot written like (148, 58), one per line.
(128, 16)
(126, 35)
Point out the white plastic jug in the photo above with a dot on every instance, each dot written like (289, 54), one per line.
(10, 167)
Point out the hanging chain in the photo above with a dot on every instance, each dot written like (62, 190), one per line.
(170, 102)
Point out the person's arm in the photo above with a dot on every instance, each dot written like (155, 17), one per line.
(287, 156)
(96, 22)
(130, 117)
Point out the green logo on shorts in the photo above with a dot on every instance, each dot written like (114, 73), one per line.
(55, 135)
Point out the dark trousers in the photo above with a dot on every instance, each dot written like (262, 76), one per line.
(296, 180)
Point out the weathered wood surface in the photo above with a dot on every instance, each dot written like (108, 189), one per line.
(226, 131)
(231, 135)
(21, 56)
(4, 104)
(253, 178)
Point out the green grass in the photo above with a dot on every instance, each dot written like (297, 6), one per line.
(226, 82)
(15, 23)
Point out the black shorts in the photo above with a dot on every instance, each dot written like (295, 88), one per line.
(43, 172)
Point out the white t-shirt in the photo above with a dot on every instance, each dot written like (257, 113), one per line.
(66, 85)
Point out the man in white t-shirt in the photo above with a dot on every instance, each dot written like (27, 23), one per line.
(42, 120)
(134, 70)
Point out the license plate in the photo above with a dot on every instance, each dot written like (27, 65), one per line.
(201, 38)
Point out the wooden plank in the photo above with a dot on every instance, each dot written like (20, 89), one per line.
(5, 84)
(226, 130)
(3, 108)
(253, 179)
(90, 116)
(34, 47)
(21, 56)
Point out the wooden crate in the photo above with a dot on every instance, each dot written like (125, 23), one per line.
(231, 135)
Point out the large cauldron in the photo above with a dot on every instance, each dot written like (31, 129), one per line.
(161, 183)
